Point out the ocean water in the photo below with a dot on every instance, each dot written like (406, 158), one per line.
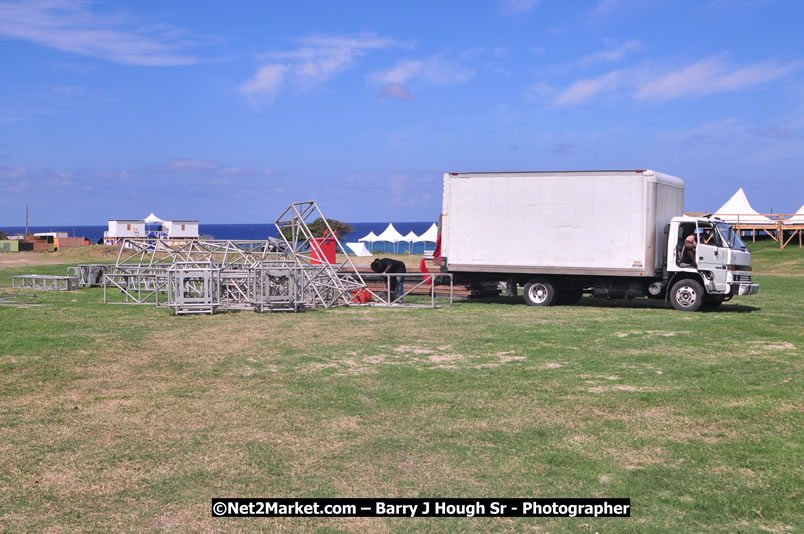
(253, 232)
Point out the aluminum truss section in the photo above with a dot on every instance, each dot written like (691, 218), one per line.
(42, 282)
(223, 253)
(88, 274)
(141, 273)
(135, 285)
(277, 286)
(194, 288)
(325, 285)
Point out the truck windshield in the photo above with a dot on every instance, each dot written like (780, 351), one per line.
(730, 236)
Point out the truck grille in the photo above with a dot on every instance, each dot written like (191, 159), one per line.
(741, 277)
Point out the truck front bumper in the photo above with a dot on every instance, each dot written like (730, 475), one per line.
(745, 289)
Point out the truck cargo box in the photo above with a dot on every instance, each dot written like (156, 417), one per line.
(589, 222)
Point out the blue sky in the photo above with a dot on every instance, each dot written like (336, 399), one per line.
(226, 113)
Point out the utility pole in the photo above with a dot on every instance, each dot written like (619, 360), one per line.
(26, 219)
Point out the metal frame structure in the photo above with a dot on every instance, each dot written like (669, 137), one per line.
(206, 276)
(326, 285)
(88, 274)
(413, 282)
(43, 282)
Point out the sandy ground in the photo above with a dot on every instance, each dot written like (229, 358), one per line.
(90, 254)
(25, 259)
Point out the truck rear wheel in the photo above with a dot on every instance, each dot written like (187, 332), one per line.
(539, 292)
(687, 295)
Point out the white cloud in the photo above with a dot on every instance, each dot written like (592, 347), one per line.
(713, 75)
(266, 81)
(612, 54)
(725, 130)
(540, 91)
(215, 168)
(702, 78)
(772, 132)
(586, 89)
(70, 27)
(433, 71)
(396, 91)
(517, 7)
(606, 7)
(316, 61)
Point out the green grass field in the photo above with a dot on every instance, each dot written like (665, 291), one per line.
(126, 418)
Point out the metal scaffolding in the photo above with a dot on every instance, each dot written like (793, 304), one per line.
(42, 282)
(204, 276)
(88, 274)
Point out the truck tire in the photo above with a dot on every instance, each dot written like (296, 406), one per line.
(540, 292)
(687, 295)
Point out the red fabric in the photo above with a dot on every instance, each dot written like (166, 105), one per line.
(361, 296)
(437, 251)
(423, 268)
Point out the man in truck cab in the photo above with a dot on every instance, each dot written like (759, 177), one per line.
(688, 249)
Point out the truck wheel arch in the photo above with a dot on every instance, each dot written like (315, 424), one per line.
(675, 278)
(687, 294)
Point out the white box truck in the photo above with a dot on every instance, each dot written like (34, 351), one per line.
(608, 233)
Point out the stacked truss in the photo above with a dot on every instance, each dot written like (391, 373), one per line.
(88, 274)
(325, 284)
(204, 276)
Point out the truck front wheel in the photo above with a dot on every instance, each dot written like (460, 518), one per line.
(687, 295)
(540, 292)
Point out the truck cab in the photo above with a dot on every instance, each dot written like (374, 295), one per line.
(707, 263)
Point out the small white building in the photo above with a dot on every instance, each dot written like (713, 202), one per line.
(51, 234)
(122, 228)
(180, 229)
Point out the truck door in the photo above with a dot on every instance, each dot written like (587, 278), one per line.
(712, 258)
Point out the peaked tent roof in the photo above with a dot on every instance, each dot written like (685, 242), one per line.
(370, 237)
(738, 209)
(430, 235)
(153, 219)
(359, 249)
(410, 237)
(390, 234)
(797, 218)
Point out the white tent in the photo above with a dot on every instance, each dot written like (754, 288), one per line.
(410, 238)
(371, 237)
(430, 236)
(359, 249)
(390, 235)
(737, 209)
(153, 219)
(797, 218)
